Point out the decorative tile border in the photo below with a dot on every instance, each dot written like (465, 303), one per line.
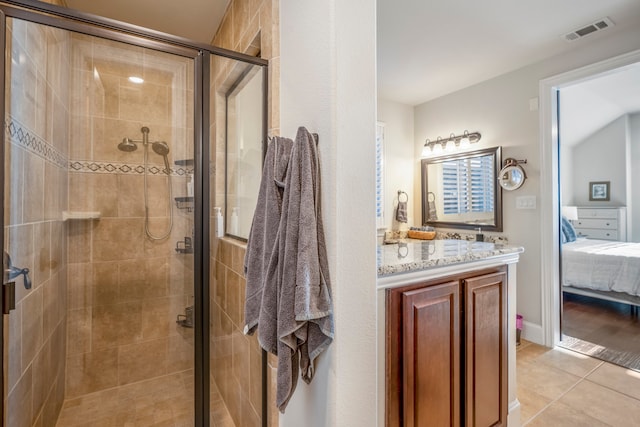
(20, 135)
(88, 166)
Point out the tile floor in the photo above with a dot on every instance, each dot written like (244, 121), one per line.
(558, 387)
(161, 402)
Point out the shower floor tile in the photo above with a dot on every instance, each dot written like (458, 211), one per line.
(161, 402)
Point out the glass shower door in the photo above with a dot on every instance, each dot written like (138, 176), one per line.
(98, 230)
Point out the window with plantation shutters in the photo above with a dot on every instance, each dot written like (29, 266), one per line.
(468, 185)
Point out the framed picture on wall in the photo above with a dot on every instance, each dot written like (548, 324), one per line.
(599, 191)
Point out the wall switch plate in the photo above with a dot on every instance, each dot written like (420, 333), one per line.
(526, 202)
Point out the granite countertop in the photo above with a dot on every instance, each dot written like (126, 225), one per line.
(411, 255)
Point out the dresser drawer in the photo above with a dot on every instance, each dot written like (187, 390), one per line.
(597, 234)
(597, 213)
(607, 224)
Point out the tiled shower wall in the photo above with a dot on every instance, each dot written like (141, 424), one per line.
(250, 27)
(125, 291)
(36, 188)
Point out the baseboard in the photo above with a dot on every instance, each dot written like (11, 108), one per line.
(514, 417)
(532, 332)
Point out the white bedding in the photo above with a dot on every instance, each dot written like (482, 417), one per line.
(602, 265)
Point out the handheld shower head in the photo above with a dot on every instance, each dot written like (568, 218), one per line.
(160, 147)
(127, 145)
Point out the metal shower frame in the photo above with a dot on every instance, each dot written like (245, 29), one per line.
(71, 20)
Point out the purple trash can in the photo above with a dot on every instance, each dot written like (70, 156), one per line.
(519, 320)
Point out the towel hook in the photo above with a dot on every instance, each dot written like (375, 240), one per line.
(400, 193)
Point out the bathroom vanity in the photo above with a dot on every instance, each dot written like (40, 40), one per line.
(447, 333)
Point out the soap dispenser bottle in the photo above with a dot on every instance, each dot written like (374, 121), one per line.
(219, 222)
(479, 236)
(234, 221)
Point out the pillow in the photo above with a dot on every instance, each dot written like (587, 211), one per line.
(568, 230)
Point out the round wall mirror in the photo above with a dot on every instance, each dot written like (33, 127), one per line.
(512, 176)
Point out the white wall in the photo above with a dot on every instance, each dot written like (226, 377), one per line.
(327, 84)
(500, 109)
(398, 161)
(600, 157)
(634, 215)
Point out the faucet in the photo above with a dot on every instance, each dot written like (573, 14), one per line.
(11, 272)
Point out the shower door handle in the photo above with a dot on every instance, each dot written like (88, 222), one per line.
(8, 297)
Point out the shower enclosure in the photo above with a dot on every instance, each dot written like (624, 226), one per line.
(122, 306)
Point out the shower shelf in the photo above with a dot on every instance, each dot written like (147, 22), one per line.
(67, 215)
(185, 162)
(185, 203)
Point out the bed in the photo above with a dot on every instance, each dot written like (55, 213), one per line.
(603, 269)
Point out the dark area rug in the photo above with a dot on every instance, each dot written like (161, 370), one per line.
(629, 360)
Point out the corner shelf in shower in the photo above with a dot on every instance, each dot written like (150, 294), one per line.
(68, 215)
(185, 202)
(184, 162)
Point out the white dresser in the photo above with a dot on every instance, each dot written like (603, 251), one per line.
(602, 223)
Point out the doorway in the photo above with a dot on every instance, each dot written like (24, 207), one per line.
(552, 160)
(107, 253)
(599, 292)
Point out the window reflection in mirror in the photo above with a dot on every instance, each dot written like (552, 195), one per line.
(244, 151)
(461, 190)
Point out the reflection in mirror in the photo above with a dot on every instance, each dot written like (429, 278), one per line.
(244, 151)
(461, 190)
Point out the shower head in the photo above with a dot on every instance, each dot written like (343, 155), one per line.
(127, 145)
(160, 147)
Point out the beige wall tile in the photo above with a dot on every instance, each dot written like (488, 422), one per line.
(79, 331)
(255, 374)
(13, 335)
(80, 286)
(19, 412)
(234, 306)
(181, 351)
(33, 198)
(142, 361)
(14, 184)
(41, 270)
(130, 196)
(32, 327)
(116, 324)
(155, 319)
(105, 290)
(90, 372)
(79, 239)
(118, 239)
(43, 377)
(52, 303)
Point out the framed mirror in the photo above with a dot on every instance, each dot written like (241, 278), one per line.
(461, 190)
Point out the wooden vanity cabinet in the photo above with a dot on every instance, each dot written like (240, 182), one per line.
(446, 347)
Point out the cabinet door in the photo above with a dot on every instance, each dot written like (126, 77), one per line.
(486, 323)
(431, 355)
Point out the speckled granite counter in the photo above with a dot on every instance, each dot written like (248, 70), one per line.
(413, 255)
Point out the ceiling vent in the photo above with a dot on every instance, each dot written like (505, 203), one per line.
(594, 27)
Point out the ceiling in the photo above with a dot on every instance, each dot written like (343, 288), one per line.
(196, 20)
(429, 48)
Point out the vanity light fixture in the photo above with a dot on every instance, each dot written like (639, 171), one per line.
(452, 142)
